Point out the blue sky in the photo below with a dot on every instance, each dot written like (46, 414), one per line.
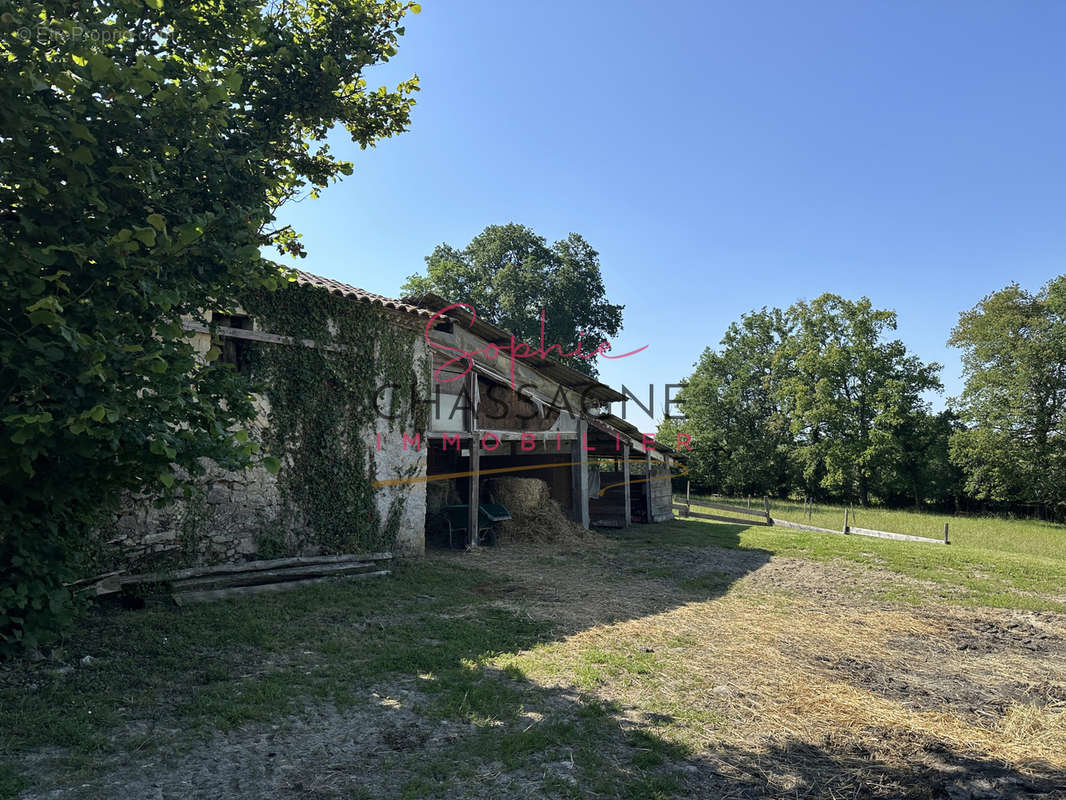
(724, 156)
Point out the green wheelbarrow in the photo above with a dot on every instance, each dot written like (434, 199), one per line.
(453, 522)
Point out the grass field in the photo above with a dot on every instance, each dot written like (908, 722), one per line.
(673, 660)
(1031, 537)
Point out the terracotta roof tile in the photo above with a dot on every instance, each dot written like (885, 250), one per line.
(336, 287)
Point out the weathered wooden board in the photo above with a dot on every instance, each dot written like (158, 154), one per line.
(185, 598)
(732, 509)
(857, 531)
(272, 575)
(686, 513)
(250, 566)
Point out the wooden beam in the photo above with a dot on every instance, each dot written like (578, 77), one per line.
(541, 437)
(580, 475)
(474, 497)
(258, 336)
(628, 489)
(725, 507)
(184, 598)
(717, 518)
(647, 485)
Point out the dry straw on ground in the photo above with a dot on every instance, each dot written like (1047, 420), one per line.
(774, 668)
(535, 516)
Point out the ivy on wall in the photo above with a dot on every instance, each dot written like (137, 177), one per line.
(323, 412)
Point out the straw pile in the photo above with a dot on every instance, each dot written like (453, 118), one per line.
(535, 516)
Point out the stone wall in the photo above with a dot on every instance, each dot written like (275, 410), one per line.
(235, 516)
(224, 521)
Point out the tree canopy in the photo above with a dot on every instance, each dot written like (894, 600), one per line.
(146, 147)
(1013, 406)
(732, 400)
(815, 398)
(509, 274)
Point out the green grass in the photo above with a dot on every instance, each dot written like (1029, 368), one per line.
(218, 666)
(1026, 536)
(960, 574)
(434, 626)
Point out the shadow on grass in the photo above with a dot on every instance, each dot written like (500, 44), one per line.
(407, 687)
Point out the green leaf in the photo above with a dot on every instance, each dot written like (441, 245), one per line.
(213, 353)
(24, 434)
(82, 132)
(157, 221)
(156, 4)
(272, 464)
(145, 235)
(166, 478)
(82, 155)
(100, 66)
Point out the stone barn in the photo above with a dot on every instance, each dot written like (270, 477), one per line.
(368, 423)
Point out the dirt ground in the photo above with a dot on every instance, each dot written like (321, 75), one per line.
(828, 690)
(758, 676)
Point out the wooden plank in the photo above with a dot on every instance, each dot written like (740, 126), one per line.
(723, 507)
(272, 575)
(628, 509)
(716, 518)
(259, 336)
(185, 598)
(249, 566)
(784, 523)
(902, 537)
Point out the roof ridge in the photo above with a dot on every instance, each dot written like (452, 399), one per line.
(334, 286)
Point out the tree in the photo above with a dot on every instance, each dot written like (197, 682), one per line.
(740, 439)
(509, 274)
(849, 394)
(1013, 403)
(146, 147)
(923, 468)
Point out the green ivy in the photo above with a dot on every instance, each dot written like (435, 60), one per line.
(322, 411)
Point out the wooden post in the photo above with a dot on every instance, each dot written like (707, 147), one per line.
(580, 475)
(946, 540)
(474, 496)
(472, 519)
(688, 496)
(845, 519)
(766, 507)
(628, 507)
(647, 484)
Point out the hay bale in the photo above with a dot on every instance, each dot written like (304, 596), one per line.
(535, 516)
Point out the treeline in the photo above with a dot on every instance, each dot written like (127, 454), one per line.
(820, 400)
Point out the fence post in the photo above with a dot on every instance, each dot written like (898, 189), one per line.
(946, 540)
(688, 497)
(766, 508)
(845, 519)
